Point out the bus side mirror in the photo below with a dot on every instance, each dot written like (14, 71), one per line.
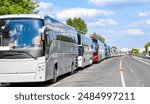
(2, 24)
(2, 28)
(43, 33)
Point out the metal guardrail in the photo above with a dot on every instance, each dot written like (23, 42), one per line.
(142, 56)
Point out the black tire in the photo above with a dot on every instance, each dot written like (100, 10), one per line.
(54, 80)
(71, 71)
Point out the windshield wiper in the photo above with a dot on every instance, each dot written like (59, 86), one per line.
(25, 53)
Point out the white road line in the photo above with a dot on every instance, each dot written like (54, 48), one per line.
(141, 61)
(141, 83)
(134, 74)
(61, 81)
(121, 63)
(137, 57)
(121, 74)
(122, 79)
(55, 84)
(129, 67)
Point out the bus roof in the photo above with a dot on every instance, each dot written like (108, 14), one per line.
(38, 16)
(22, 16)
(59, 21)
(84, 35)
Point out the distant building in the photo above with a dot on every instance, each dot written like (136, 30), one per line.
(148, 51)
(141, 50)
(126, 50)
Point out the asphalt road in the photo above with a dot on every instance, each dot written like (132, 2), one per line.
(123, 71)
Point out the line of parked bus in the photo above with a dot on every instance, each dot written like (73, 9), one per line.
(91, 50)
(35, 48)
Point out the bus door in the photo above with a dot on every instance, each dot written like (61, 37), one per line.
(49, 37)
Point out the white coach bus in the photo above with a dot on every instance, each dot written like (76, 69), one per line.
(85, 51)
(102, 50)
(35, 48)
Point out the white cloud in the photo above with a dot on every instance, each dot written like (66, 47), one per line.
(103, 2)
(141, 23)
(44, 7)
(148, 33)
(103, 22)
(109, 32)
(144, 14)
(82, 12)
(120, 3)
(133, 31)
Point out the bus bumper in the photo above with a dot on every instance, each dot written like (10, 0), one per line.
(22, 70)
(38, 76)
(9, 78)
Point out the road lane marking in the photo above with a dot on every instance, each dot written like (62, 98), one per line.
(60, 82)
(122, 79)
(139, 82)
(121, 66)
(121, 74)
(129, 67)
(57, 83)
(138, 59)
(121, 63)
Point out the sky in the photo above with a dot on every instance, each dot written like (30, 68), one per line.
(123, 23)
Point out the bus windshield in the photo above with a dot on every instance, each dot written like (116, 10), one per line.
(95, 45)
(20, 32)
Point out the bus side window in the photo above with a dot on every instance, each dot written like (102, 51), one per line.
(49, 37)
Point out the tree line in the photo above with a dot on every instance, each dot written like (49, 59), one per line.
(17, 6)
(81, 27)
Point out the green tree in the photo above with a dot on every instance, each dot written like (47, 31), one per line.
(135, 51)
(17, 6)
(114, 47)
(79, 24)
(146, 46)
(100, 38)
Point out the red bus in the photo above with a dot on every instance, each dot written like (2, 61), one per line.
(95, 48)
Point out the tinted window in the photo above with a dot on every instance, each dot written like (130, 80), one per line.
(79, 39)
(62, 32)
(87, 41)
(95, 46)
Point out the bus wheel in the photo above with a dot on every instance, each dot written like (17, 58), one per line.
(55, 74)
(71, 70)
